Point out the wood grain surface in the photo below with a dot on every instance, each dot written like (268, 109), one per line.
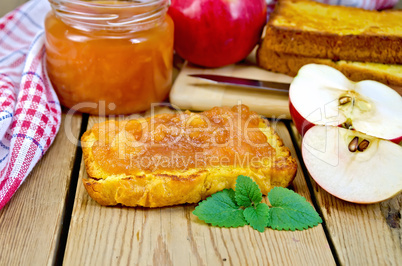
(8, 5)
(174, 236)
(30, 224)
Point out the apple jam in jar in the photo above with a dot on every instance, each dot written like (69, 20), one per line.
(109, 57)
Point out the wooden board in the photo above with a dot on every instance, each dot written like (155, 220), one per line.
(197, 94)
(8, 5)
(362, 234)
(174, 236)
(30, 224)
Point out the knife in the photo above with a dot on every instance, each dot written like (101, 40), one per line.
(248, 83)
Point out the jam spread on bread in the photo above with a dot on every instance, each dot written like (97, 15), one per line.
(222, 135)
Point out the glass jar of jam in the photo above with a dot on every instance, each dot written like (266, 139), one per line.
(109, 57)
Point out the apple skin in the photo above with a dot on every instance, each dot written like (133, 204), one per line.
(300, 122)
(215, 33)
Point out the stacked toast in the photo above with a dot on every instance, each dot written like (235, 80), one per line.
(360, 43)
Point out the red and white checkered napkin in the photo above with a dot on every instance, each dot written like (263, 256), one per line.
(29, 109)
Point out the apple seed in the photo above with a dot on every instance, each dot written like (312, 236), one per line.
(344, 100)
(354, 144)
(363, 145)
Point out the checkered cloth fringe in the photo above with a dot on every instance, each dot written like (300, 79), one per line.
(29, 109)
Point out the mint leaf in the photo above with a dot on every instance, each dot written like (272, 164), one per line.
(290, 211)
(257, 217)
(221, 210)
(247, 191)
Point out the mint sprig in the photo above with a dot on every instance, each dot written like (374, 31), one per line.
(290, 211)
(257, 217)
(221, 210)
(247, 193)
(236, 208)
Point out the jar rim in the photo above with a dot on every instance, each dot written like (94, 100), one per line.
(107, 4)
(116, 15)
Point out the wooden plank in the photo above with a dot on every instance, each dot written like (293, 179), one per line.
(174, 236)
(362, 234)
(30, 223)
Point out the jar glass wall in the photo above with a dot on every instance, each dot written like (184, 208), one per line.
(116, 54)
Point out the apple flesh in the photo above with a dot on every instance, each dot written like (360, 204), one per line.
(321, 95)
(368, 176)
(214, 33)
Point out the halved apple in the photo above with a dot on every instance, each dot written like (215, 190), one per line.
(321, 95)
(352, 165)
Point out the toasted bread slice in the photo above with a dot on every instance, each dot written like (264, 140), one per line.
(317, 30)
(114, 151)
(290, 64)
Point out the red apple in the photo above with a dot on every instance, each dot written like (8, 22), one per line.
(214, 33)
(338, 161)
(321, 95)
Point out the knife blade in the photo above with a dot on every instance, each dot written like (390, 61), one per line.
(247, 83)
